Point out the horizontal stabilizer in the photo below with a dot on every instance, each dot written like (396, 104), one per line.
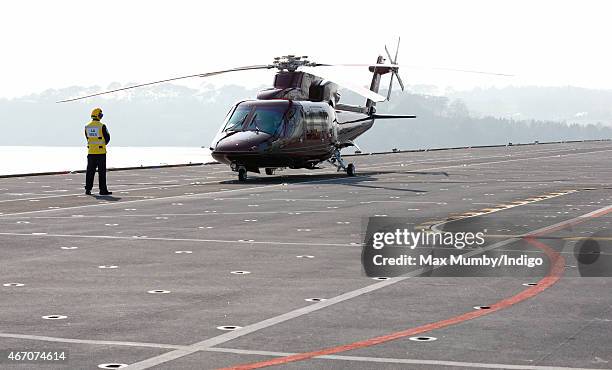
(390, 116)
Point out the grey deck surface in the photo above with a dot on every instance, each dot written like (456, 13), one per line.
(53, 240)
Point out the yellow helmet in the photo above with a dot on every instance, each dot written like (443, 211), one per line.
(96, 114)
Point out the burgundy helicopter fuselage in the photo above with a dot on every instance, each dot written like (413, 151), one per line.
(285, 133)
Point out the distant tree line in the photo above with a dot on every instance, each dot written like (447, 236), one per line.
(171, 115)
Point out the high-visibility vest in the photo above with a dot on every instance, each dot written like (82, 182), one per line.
(96, 144)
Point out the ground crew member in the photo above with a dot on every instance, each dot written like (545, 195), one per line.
(97, 137)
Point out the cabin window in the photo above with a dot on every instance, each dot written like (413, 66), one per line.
(316, 124)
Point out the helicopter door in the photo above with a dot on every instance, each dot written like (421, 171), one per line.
(294, 126)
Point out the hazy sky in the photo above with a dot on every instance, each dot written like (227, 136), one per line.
(54, 44)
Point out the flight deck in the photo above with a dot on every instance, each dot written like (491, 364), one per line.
(188, 268)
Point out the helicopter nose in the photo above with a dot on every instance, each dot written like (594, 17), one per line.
(240, 146)
(245, 141)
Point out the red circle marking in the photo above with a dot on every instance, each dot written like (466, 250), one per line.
(554, 274)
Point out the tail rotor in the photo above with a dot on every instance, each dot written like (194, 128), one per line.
(394, 70)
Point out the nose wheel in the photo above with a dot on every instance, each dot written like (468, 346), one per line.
(242, 174)
(338, 162)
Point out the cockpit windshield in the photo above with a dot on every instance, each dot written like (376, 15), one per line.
(236, 121)
(267, 117)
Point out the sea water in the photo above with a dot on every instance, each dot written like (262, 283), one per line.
(36, 159)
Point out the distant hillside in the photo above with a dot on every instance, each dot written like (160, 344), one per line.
(171, 115)
(569, 104)
(446, 122)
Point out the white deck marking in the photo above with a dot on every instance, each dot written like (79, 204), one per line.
(183, 196)
(467, 156)
(467, 165)
(302, 199)
(223, 338)
(120, 191)
(149, 238)
(283, 354)
(89, 341)
(168, 214)
(451, 159)
(398, 360)
(142, 200)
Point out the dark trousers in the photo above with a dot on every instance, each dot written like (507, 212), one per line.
(96, 161)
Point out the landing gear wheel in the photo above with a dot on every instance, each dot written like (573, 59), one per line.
(242, 174)
(270, 171)
(350, 170)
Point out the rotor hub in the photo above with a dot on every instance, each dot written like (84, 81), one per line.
(291, 63)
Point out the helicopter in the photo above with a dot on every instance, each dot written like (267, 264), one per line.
(299, 122)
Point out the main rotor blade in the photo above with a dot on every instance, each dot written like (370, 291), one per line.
(390, 86)
(418, 67)
(207, 74)
(355, 88)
